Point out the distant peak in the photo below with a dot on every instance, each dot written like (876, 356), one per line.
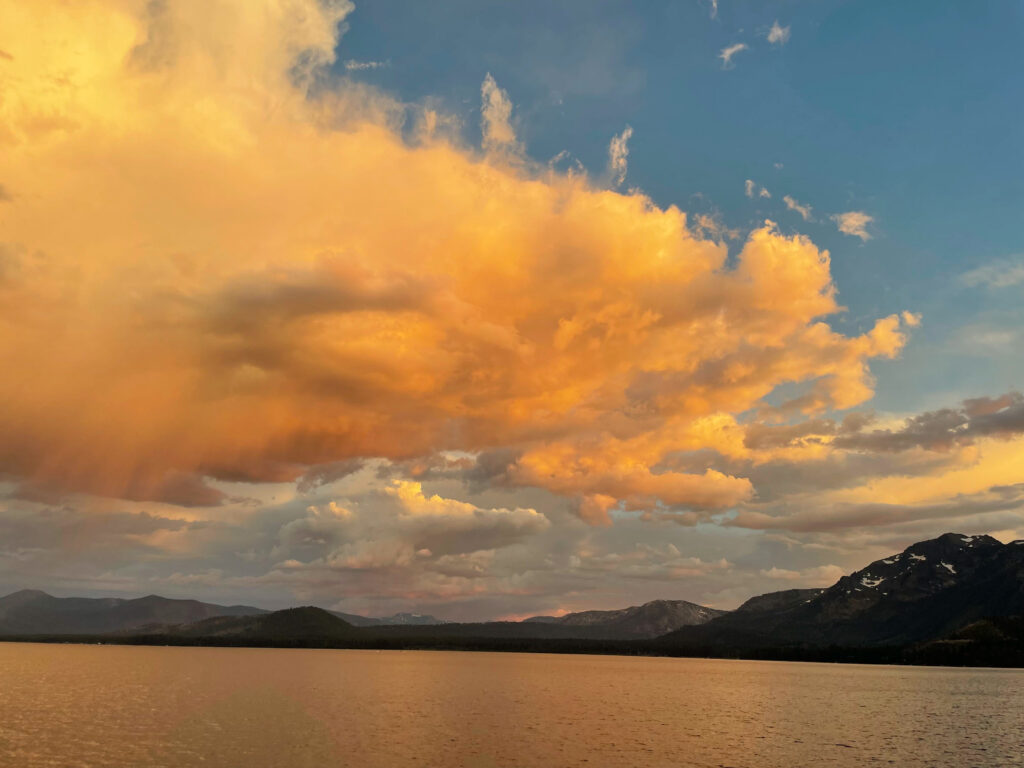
(670, 603)
(951, 541)
(147, 599)
(27, 593)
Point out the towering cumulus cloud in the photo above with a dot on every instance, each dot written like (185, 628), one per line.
(219, 261)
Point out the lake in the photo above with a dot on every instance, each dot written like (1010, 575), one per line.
(81, 705)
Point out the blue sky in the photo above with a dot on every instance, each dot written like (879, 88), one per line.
(908, 111)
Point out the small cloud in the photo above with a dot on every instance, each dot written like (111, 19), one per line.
(711, 225)
(496, 111)
(565, 160)
(821, 574)
(777, 166)
(727, 54)
(985, 339)
(778, 35)
(999, 274)
(750, 189)
(353, 65)
(853, 223)
(912, 319)
(793, 205)
(714, 9)
(618, 154)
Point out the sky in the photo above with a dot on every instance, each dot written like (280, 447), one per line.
(491, 309)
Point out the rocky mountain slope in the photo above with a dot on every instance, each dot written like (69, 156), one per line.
(990, 642)
(396, 619)
(779, 601)
(304, 625)
(30, 612)
(930, 589)
(648, 620)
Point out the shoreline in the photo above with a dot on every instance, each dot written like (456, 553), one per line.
(896, 656)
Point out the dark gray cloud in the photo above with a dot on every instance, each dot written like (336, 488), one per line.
(939, 430)
(761, 436)
(943, 429)
(53, 527)
(491, 469)
(780, 477)
(332, 286)
(178, 488)
(436, 466)
(328, 473)
(837, 517)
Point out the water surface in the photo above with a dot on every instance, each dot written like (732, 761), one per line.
(80, 705)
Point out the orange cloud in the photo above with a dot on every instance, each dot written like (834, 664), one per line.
(213, 264)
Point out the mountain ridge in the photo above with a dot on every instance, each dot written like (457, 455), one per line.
(930, 589)
(952, 599)
(30, 611)
(160, 615)
(650, 619)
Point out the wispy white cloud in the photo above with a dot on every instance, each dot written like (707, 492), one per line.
(618, 156)
(353, 65)
(730, 51)
(794, 205)
(998, 274)
(853, 223)
(817, 575)
(567, 162)
(710, 225)
(714, 9)
(985, 339)
(778, 35)
(496, 113)
(751, 189)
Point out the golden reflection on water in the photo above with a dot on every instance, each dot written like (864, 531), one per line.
(144, 706)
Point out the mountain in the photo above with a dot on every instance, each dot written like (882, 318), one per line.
(356, 620)
(306, 625)
(31, 612)
(779, 601)
(990, 642)
(639, 621)
(954, 599)
(633, 623)
(397, 619)
(929, 590)
(411, 619)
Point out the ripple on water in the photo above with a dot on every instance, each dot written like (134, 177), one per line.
(117, 706)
